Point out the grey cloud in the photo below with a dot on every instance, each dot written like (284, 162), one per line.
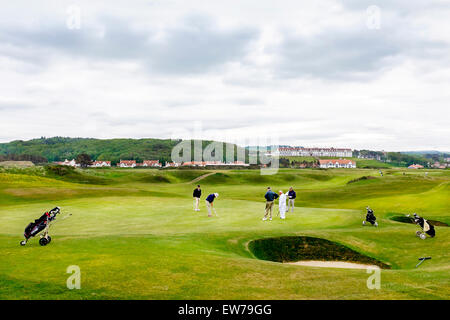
(174, 103)
(248, 101)
(350, 54)
(196, 47)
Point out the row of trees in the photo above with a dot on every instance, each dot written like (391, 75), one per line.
(401, 159)
(286, 163)
(60, 148)
(114, 150)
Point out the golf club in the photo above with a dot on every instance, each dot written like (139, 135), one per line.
(422, 260)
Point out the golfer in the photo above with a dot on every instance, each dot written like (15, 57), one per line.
(282, 205)
(291, 195)
(197, 194)
(270, 197)
(210, 203)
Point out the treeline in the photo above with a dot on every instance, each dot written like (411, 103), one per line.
(114, 150)
(61, 148)
(399, 159)
(286, 163)
(404, 160)
(432, 156)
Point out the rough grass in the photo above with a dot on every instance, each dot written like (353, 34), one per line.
(361, 179)
(140, 239)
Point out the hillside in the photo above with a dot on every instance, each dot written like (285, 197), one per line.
(60, 148)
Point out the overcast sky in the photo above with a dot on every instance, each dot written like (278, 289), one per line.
(309, 73)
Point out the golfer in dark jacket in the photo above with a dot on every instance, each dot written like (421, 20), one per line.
(270, 197)
(291, 196)
(210, 203)
(197, 194)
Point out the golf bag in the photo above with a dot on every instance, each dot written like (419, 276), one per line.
(370, 217)
(39, 225)
(427, 227)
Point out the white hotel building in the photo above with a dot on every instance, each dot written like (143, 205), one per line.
(312, 152)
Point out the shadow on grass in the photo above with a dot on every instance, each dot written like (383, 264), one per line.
(404, 219)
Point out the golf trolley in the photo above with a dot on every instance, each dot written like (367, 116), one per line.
(427, 228)
(41, 227)
(370, 218)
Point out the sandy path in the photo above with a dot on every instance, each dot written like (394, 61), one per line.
(201, 177)
(333, 264)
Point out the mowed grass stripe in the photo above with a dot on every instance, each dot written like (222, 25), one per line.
(137, 236)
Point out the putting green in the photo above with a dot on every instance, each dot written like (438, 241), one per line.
(134, 234)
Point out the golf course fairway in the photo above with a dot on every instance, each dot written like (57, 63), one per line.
(134, 234)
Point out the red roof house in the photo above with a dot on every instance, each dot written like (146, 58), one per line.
(337, 163)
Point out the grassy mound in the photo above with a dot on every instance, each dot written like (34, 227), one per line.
(361, 179)
(319, 177)
(291, 249)
(155, 179)
(71, 174)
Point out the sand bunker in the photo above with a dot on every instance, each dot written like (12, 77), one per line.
(334, 264)
(311, 251)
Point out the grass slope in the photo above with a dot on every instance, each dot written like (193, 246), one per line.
(135, 236)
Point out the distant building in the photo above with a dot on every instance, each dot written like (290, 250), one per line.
(100, 164)
(214, 163)
(127, 163)
(195, 163)
(438, 165)
(312, 152)
(151, 163)
(17, 164)
(415, 166)
(337, 163)
(368, 157)
(71, 163)
(172, 165)
(241, 163)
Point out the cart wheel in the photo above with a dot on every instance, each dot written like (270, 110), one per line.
(49, 239)
(43, 241)
(23, 242)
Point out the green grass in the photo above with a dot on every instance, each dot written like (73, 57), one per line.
(135, 236)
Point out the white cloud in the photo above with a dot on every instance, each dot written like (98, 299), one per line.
(311, 73)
